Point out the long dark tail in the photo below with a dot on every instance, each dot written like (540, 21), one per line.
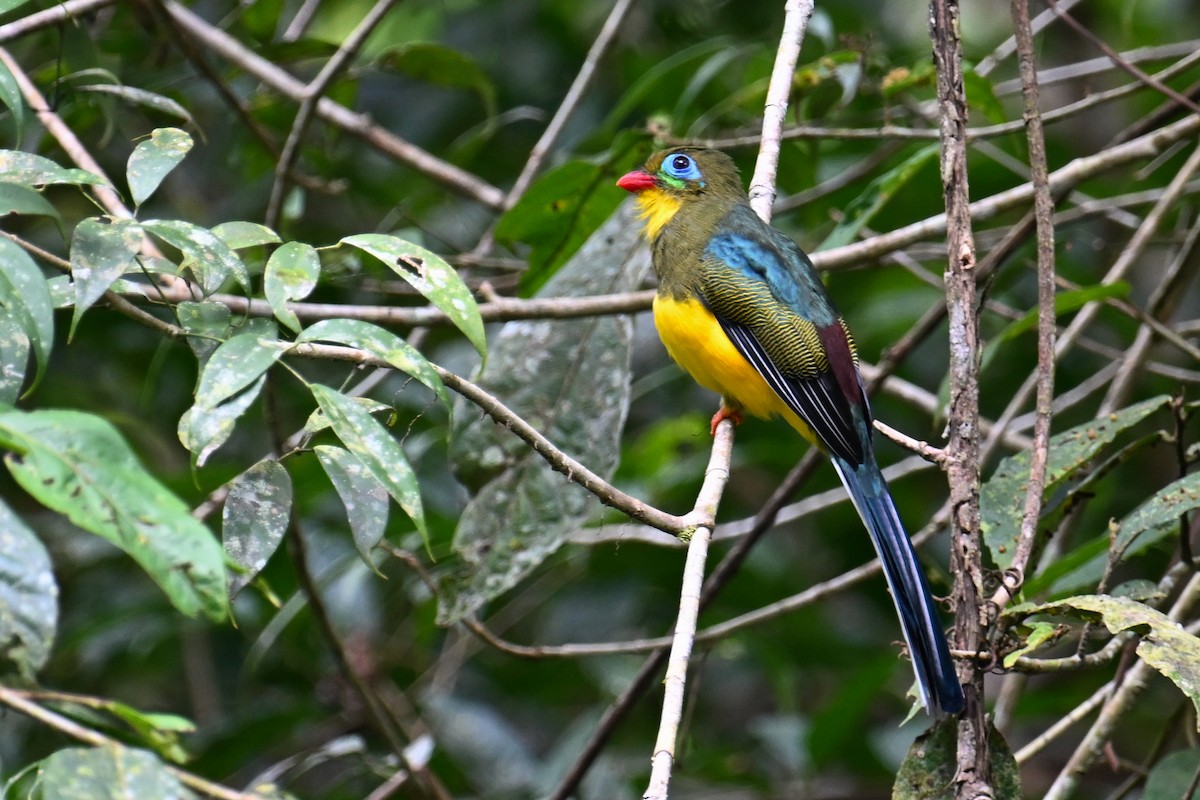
(919, 618)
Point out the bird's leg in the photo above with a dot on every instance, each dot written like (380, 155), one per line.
(725, 412)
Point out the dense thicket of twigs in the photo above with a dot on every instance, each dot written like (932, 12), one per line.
(346, 288)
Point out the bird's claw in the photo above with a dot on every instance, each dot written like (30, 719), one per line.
(725, 413)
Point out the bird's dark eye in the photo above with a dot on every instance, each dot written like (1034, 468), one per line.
(682, 167)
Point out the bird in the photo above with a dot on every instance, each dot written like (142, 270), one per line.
(741, 308)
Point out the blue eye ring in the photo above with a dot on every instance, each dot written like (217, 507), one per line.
(682, 167)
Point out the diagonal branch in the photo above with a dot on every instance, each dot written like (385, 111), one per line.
(308, 104)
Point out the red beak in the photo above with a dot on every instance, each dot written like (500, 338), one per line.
(637, 180)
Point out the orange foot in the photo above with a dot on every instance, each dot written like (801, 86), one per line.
(724, 413)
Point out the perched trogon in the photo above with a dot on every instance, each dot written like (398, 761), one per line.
(741, 308)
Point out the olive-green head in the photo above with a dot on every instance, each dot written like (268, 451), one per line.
(687, 173)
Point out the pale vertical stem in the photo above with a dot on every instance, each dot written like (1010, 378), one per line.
(762, 197)
(715, 478)
(762, 184)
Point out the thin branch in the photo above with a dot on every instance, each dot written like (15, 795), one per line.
(570, 101)
(501, 309)
(762, 198)
(20, 701)
(736, 529)
(360, 125)
(56, 14)
(1124, 262)
(644, 679)
(1162, 304)
(779, 88)
(972, 778)
(308, 104)
(1043, 203)
(716, 476)
(1072, 173)
(1121, 63)
(66, 138)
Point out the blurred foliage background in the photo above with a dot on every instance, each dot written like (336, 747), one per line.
(289, 690)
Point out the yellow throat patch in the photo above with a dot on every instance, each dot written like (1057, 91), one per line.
(657, 207)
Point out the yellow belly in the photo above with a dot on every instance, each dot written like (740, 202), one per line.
(696, 341)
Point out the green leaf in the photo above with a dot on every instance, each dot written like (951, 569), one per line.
(570, 380)
(132, 95)
(1064, 303)
(14, 358)
(205, 254)
(25, 296)
(863, 208)
(236, 364)
(1171, 778)
(111, 772)
(207, 325)
(1164, 644)
(373, 445)
(430, 275)
(1039, 634)
(365, 498)
(153, 159)
(230, 379)
(34, 170)
(255, 518)
(1155, 520)
(102, 250)
(1159, 516)
(929, 770)
(981, 95)
(442, 66)
(240, 235)
(203, 430)
(557, 214)
(10, 93)
(78, 465)
(158, 731)
(161, 732)
(18, 199)
(291, 273)
(1002, 497)
(381, 343)
(28, 598)
(317, 421)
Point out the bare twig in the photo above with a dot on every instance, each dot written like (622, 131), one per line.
(716, 476)
(762, 197)
(20, 701)
(1121, 63)
(973, 779)
(762, 183)
(360, 125)
(570, 101)
(1128, 257)
(1163, 302)
(59, 12)
(66, 138)
(309, 100)
(1072, 173)
(1044, 211)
